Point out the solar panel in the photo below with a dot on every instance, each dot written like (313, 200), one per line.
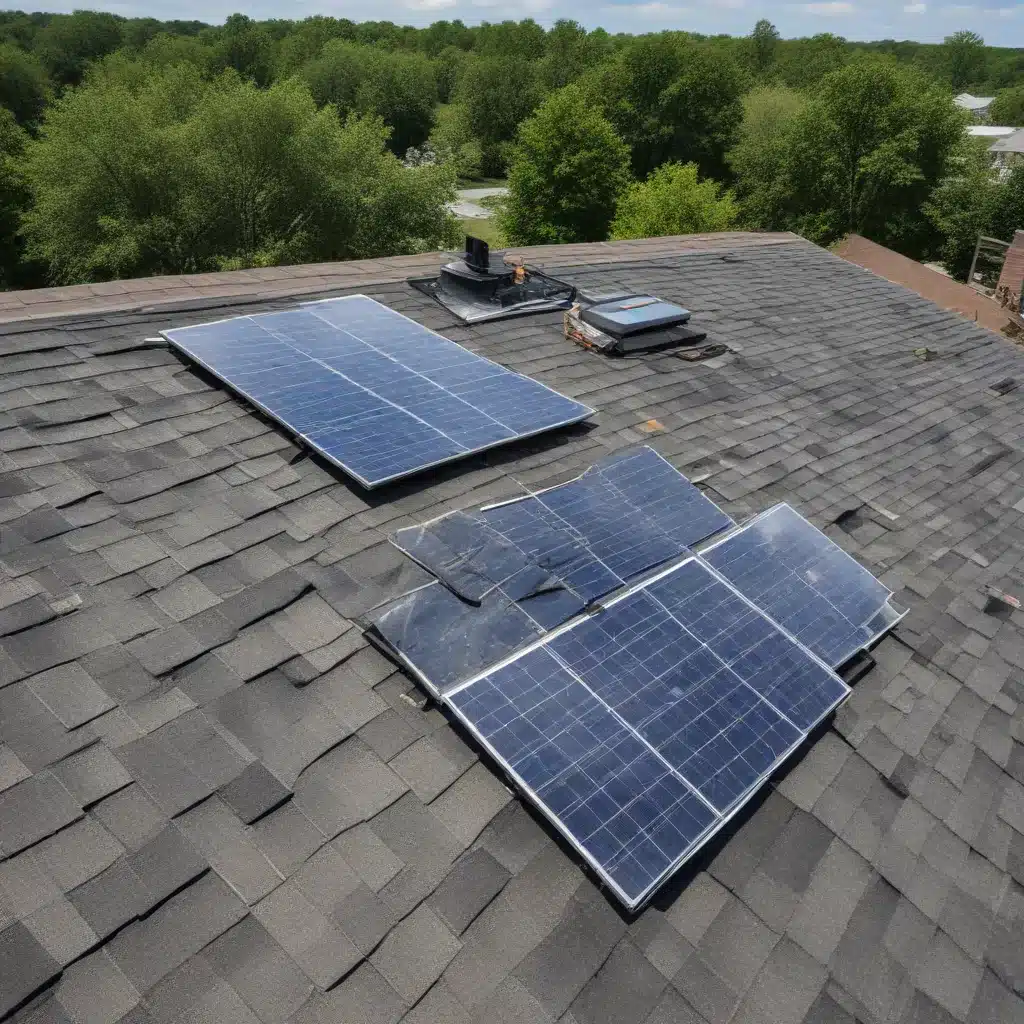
(621, 804)
(623, 516)
(805, 582)
(376, 393)
(690, 699)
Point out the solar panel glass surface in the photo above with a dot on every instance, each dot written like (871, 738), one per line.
(373, 391)
(805, 582)
(709, 687)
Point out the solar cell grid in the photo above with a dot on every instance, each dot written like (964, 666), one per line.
(625, 515)
(714, 693)
(626, 809)
(804, 582)
(376, 393)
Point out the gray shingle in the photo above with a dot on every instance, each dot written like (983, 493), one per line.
(110, 900)
(557, 969)
(416, 952)
(34, 809)
(71, 694)
(149, 949)
(61, 931)
(474, 880)
(626, 988)
(254, 793)
(92, 774)
(25, 966)
(256, 967)
(166, 863)
(93, 989)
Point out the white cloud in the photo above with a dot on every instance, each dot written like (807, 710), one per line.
(429, 5)
(655, 9)
(833, 8)
(1000, 12)
(915, 8)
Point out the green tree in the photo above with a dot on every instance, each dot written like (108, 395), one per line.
(803, 63)
(69, 42)
(963, 206)
(523, 39)
(671, 99)
(336, 75)
(24, 87)
(1008, 107)
(569, 52)
(306, 41)
(247, 47)
(568, 168)
(965, 58)
(171, 173)
(136, 32)
(867, 151)
(760, 157)
(13, 201)
(453, 140)
(764, 41)
(447, 69)
(673, 201)
(165, 50)
(442, 35)
(400, 87)
(498, 94)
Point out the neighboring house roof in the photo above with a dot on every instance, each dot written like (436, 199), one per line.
(220, 804)
(985, 131)
(1010, 144)
(969, 102)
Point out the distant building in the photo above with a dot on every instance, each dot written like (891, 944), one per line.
(977, 105)
(990, 131)
(1007, 152)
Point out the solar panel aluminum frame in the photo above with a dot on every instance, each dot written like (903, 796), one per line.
(347, 470)
(638, 902)
(892, 615)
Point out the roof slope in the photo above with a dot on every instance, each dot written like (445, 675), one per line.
(218, 804)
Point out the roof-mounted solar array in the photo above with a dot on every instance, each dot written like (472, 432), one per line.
(639, 693)
(507, 573)
(641, 730)
(372, 391)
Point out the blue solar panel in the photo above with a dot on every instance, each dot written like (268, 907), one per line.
(373, 391)
(714, 692)
(805, 582)
(627, 810)
(625, 515)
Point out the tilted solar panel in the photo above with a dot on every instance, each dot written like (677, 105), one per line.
(805, 582)
(374, 392)
(642, 729)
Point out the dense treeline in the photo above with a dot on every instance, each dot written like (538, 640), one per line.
(133, 146)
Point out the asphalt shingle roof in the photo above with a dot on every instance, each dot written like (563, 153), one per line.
(218, 803)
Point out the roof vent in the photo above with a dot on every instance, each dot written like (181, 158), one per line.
(621, 324)
(473, 290)
(478, 255)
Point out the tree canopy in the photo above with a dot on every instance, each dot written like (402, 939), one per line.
(673, 201)
(568, 168)
(819, 135)
(866, 152)
(760, 159)
(1008, 107)
(174, 173)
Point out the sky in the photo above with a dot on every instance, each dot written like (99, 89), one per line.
(1000, 22)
